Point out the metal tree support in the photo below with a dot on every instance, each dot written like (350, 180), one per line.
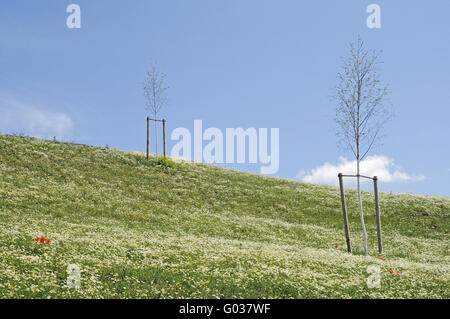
(344, 209)
(148, 134)
(164, 136)
(377, 213)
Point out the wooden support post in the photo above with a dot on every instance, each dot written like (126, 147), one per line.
(377, 211)
(344, 210)
(164, 137)
(148, 135)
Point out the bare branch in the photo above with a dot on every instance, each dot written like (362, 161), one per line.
(361, 111)
(155, 95)
(155, 90)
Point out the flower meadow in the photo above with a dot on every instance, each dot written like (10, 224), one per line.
(139, 229)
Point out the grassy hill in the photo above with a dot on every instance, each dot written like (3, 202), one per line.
(143, 230)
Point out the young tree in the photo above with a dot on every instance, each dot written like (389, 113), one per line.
(361, 109)
(155, 94)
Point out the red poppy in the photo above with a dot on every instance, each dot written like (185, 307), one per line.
(42, 240)
(391, 271)
(381, 258)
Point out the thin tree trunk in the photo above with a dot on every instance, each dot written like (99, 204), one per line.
(361, 210)
(358, 156)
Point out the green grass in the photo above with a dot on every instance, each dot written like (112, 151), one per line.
(165, 229)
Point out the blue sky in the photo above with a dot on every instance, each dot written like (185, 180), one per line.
(262, 64)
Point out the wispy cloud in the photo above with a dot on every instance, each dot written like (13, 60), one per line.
(376, 165)
(20, 117)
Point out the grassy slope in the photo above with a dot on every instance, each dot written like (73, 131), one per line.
(138, 229)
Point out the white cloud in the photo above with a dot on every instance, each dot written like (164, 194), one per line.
(376, 165)
(19, 117)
